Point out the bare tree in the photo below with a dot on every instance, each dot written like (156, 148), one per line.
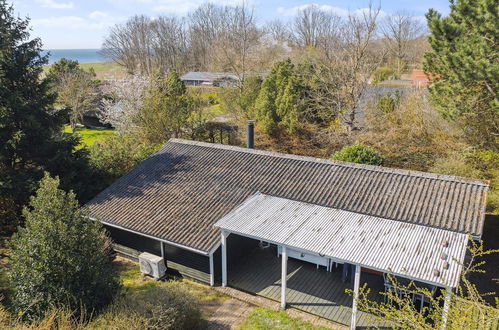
(341, 77)
(401, 32)
(143, 45)
(77, 91)
(206, 25)
(316, 28)
(237, 45)
(278, 31)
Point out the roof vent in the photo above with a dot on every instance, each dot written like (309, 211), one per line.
(443, 256)
(446, 265)
(436, 273)
(445, 243)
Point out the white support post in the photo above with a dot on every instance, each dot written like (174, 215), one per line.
(162, 250)
(356, 284)
(284, 274)
(448, 296)
(224, 258)
(212, 271)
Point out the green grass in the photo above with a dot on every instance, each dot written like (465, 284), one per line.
(103, 70)
(90, 136)
(263, 319)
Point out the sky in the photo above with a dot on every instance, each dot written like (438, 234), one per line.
(77, 24)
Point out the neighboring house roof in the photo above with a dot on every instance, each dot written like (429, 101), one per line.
(178, 193)
(208, 76)
(391, 246)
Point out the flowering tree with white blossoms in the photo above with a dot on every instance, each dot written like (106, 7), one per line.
(124, 100)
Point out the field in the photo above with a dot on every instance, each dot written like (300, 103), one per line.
(89, 136)
(103, 70)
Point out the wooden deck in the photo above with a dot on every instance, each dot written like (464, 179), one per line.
(312, 290)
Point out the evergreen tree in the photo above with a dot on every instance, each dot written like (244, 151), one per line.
(61, 258)
(280, 101)
(464, 64)
(64, 66)
(31, 138)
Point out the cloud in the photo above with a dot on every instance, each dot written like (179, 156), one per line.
(179, 7)
(336, 10)
(96, 20)
(55, 5)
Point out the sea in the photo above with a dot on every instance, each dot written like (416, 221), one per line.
(80, 55)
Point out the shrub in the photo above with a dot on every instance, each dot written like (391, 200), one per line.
(359, 153)
(116, 155)
(60, 258)
(167, 306)
(381, 74)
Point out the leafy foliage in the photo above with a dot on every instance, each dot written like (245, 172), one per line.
(77, 91)
(465, 68)
(381, 74)
(166, 109)
(468, 308)
(279, 102)
(62, 67)
(389, 103)
(61, 258)
(241, 101)
(31, 138)
(359, 153)
(116, 155)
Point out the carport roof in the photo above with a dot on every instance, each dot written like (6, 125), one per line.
(404, 249)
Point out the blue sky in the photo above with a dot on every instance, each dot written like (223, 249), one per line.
(66, 24)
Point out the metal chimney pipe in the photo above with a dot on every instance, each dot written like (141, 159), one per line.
(250, 134)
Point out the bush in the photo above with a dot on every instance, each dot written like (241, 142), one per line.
(411, 136)
(481, 164)
(116, 155)
(382, 73)
(60, 258)
(359, 153)
(167, 306)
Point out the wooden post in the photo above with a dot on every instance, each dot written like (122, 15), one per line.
(212, 271)
(224, 258)
(446, 307)
(284, 274)
(355, 296)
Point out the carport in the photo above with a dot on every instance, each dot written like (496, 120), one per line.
(328, 236)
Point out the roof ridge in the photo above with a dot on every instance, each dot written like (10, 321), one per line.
(435, 176)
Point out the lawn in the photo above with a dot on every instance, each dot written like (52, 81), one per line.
(263, 319)
(89, 136)
(103, 70)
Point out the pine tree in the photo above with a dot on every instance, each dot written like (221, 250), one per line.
(61, 258)
(464, 64)
(31, 138)
(280, 101)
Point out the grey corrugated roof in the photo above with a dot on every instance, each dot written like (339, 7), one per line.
(208, 76)
(178, 193)
(402, 248)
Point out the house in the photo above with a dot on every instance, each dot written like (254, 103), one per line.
(292, 228)
(215, 79)
(420, 79)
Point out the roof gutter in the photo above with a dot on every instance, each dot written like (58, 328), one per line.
(204, 253)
